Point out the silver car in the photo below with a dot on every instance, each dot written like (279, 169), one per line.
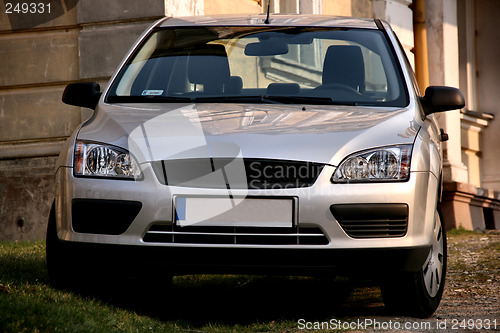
(293, 145)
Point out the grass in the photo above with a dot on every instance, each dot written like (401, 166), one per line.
(29, 304)
(204, 303)
(461, 231)
(193, 304)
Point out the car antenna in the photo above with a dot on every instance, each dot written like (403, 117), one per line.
(268, 11)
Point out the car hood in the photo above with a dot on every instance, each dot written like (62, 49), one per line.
(323, 134)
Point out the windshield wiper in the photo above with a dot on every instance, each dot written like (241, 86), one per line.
(236, 99)
(271, 99)
(231, 99)
(148, 99)
(315, 100)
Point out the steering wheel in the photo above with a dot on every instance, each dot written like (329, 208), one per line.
(338, 86)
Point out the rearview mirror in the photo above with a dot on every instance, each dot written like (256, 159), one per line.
(270, 47)
(84, 94)
(440, 99)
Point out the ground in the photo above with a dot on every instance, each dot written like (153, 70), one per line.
(471, 301)
(206, 303)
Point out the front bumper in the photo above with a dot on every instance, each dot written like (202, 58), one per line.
(252, 261)
(336, 250)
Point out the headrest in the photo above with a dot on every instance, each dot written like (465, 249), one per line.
(208, 65)
(234, 85)
(344, 64)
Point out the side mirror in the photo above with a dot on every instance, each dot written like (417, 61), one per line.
(439, 99)
(85, 94)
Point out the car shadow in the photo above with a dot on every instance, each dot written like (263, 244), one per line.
(243, 300)
(199, 300)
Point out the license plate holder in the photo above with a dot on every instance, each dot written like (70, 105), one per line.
(235, 212)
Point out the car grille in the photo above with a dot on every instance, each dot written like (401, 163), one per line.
(161, 233)
(259, 173)
(372, 220)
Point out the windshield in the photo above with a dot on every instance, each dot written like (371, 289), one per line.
(300, 65)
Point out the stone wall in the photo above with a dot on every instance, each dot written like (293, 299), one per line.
(36, 64)
(86, 42)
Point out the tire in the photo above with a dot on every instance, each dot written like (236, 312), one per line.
(65, 265)
(418, 294)
(69, 266)
(57, 255)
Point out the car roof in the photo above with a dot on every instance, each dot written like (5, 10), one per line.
(274, 20)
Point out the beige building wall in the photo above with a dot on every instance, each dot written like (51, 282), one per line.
(86, 42)
(488, 84)
(35, 67)
(476, 205)
(212, 7)
(462, 35)
(339, 8)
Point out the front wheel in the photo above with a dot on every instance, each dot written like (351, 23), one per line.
(419, 293)
(57, 256)
(64, 265)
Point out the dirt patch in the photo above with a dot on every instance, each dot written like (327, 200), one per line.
(471, 300)
(473, 284)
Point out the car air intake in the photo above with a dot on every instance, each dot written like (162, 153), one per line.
(105, 217)
(372, 220)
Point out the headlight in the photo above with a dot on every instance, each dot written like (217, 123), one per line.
(382, 164)
(100, 160)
